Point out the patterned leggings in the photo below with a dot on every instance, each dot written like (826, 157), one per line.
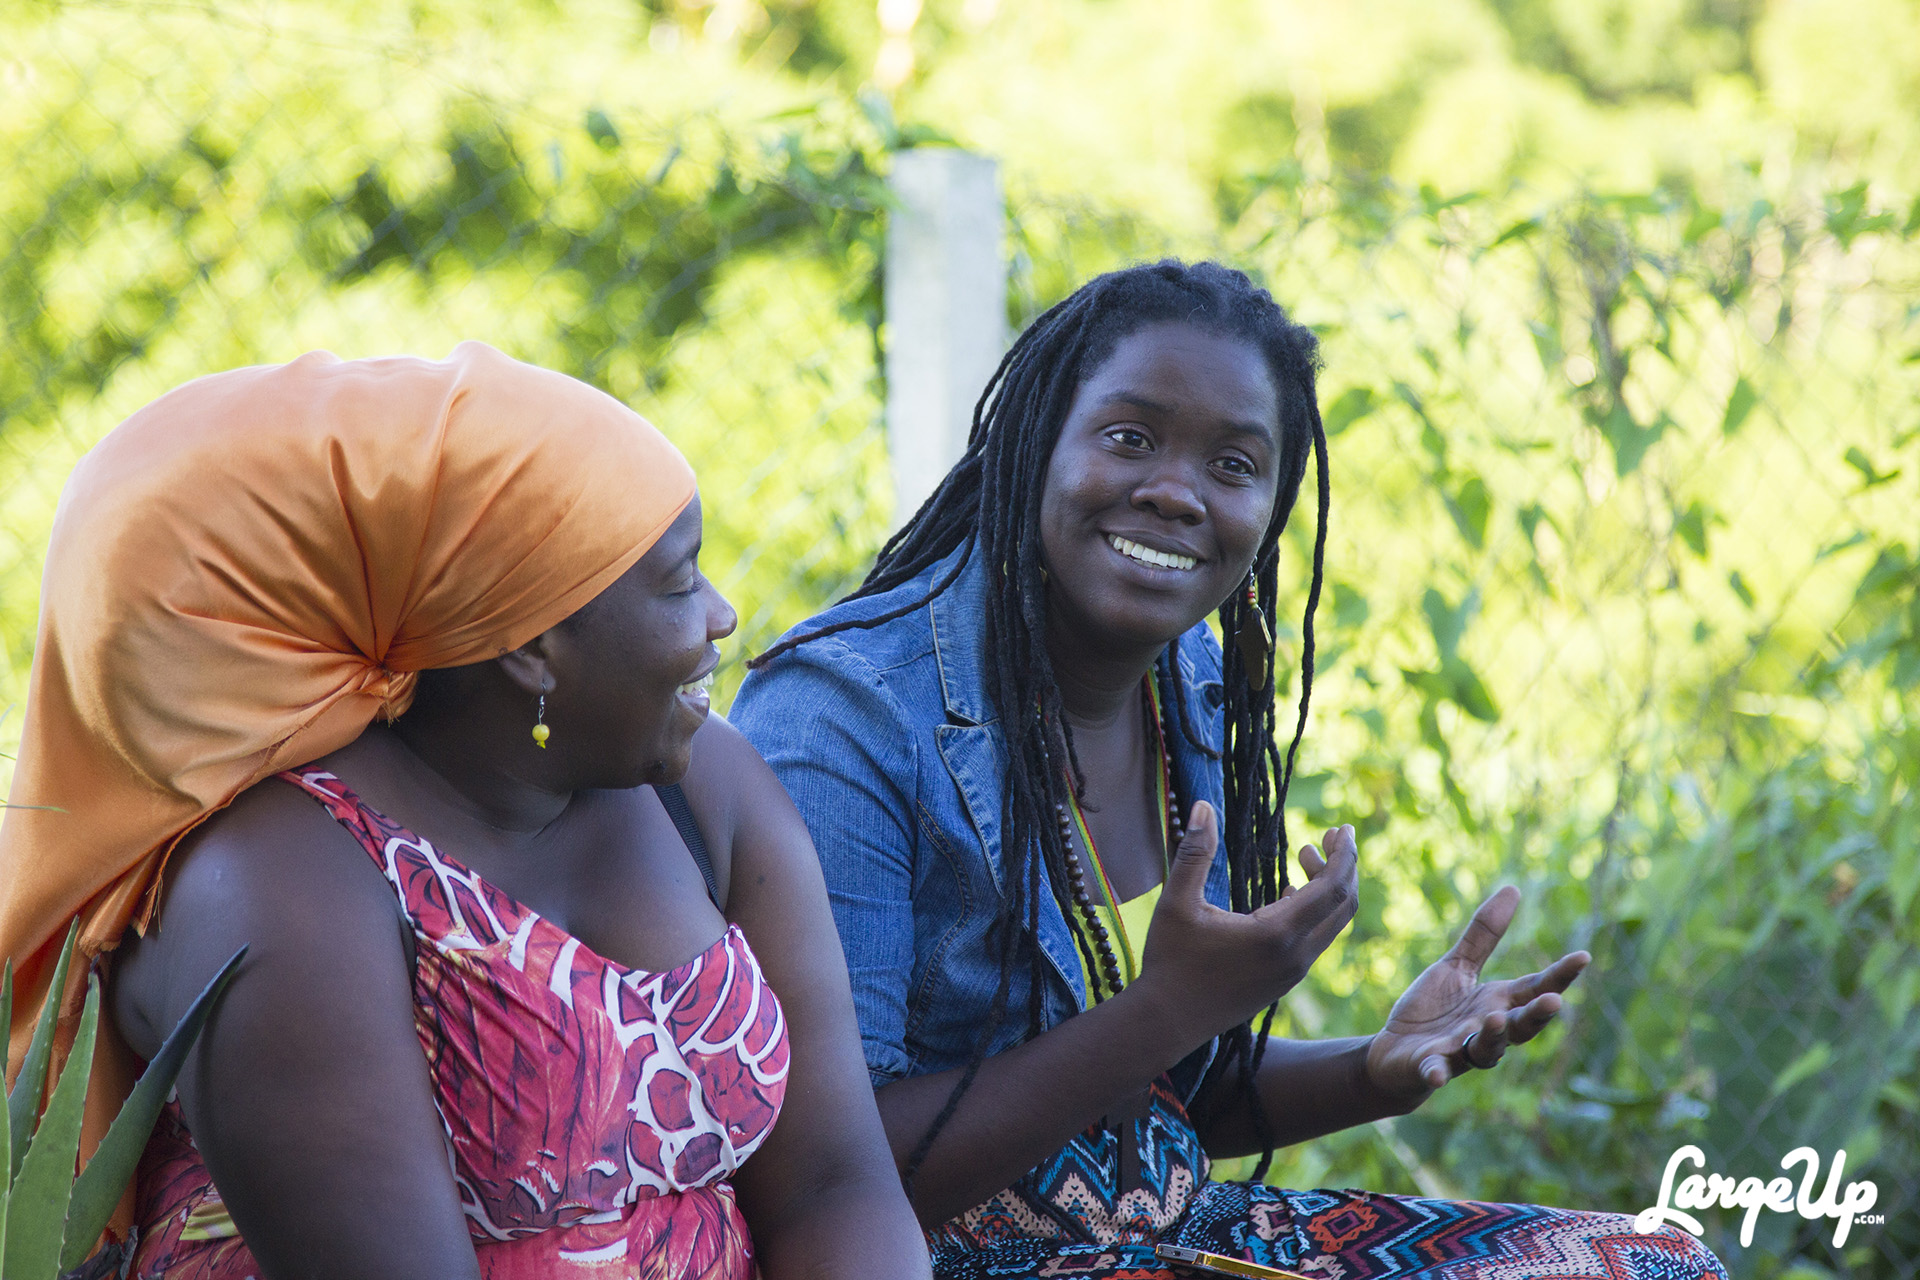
(1357, 1235)
(1089, 1213)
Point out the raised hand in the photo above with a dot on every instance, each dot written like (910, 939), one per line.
(1449, 1021)
(1214, 969)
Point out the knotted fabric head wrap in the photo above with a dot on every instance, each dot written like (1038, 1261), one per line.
(247, 571)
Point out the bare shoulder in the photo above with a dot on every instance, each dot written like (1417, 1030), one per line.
(272, 871)
(736, 798)
(724, 766)
(308, 1095)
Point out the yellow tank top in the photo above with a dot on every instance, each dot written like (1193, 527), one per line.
(1128, 929)
(1126, 924)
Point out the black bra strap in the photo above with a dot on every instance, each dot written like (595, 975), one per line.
(675, 801)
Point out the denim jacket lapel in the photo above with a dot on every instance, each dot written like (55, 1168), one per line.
(1195, 777)
(974, 751)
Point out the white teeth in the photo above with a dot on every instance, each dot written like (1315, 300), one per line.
(702, 685)
(1147, 555)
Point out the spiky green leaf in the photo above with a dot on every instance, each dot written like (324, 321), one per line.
(37, 1204)
(23, 1104)
(113, 1163)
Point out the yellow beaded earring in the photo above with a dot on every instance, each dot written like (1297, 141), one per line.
(540, 731)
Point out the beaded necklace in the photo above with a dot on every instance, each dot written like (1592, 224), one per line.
(1072, 820)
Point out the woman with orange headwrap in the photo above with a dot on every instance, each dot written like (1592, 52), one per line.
(500, 1016)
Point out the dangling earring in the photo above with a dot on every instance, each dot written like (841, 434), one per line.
(540, 731)
(1255, 640)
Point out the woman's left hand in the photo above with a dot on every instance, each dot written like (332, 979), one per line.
(1449, 1021)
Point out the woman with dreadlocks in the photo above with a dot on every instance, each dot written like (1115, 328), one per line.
(1050, 811)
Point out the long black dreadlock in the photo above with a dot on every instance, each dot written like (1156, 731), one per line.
(989, 505)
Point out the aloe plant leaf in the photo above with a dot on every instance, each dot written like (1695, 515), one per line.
(37, 1204)
(114, 1161)
(23, 1104)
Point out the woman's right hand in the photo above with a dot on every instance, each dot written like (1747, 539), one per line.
(1211, 969)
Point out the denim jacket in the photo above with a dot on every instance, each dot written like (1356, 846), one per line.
(888, 743)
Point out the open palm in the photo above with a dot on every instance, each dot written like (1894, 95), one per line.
(1424, 1042)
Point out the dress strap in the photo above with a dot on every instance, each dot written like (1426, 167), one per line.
(350, 811)
(675, 802)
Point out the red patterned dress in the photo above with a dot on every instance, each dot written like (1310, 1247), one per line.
(593, 1112)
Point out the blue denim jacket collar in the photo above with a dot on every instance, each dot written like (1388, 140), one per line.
(974, 751)
(959, 618)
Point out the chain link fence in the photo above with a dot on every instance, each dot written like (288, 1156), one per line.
(190, 192)
(1621, 608)
(1621, 598)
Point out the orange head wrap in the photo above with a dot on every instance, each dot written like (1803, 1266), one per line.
(247, 571)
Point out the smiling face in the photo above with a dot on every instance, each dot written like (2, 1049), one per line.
(630, 670)
(1160, 487)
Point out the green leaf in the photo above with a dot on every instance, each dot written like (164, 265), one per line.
(1739, 405)
(1449, 622)
(1308, 793)
(1467, 691)
(1546, 343)
(114, 1161)
(1353, 404)
(1349, 607)
(1430, 437)
(1814, 1060)
(1629, 439)
(1702, 220)
(1429, 683)
(924, 135)
(1434, 202)
(1691, 525)
(1889, 571)
(1869, 474)
(600, 129)
(1518, 231)
(37, 1204)
(1371, 717)
(1847, 215)
(1470, 507)
(1740, 588)
(23, 1104)
(1847, 543)
(1637, 202)
(1844, 209)
(1530, 517)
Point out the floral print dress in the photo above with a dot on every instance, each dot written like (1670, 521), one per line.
(593, 1113)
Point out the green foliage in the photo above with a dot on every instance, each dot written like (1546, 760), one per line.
(720, 274)
(49, 1220)
(23, 1104)
(1622, 598)
(1638, 623)
(1653, 628)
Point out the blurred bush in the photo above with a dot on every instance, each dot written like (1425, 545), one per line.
(190, 194)
(1621, 608)
(1622, 595)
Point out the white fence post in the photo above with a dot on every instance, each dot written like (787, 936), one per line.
(946, 311)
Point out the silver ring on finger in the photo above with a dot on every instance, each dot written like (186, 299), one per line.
(1466, 1051)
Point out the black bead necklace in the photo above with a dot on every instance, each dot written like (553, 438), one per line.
(1156, 720)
